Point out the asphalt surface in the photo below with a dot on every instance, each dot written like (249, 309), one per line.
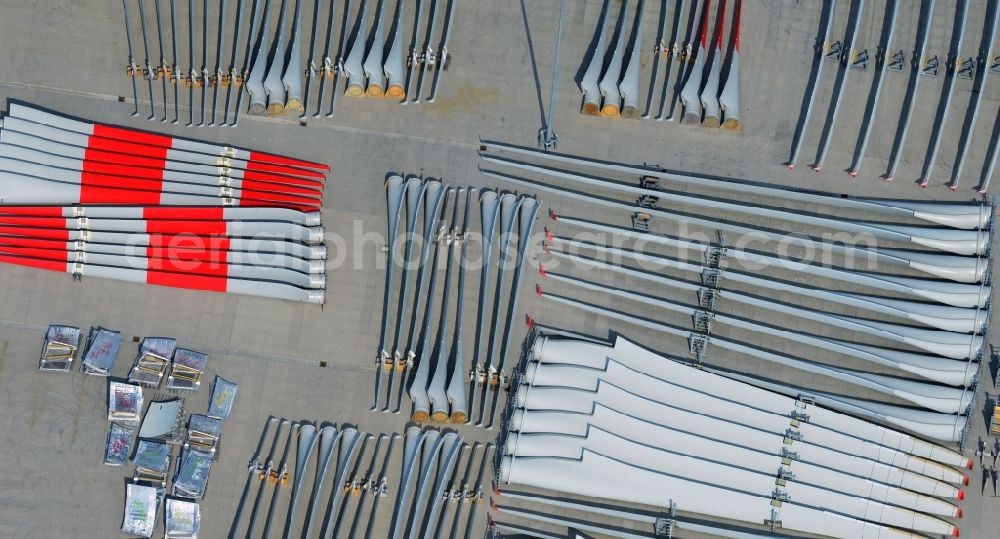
(70, 57)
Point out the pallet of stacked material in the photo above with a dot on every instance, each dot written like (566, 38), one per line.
(59, 349)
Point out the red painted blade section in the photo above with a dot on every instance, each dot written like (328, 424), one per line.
(267, 187)
(197, 228)
(130, 171)
(280, 160)
(152, 158)
(34, 243)
(289, 171)
(124, 147)
(34, 252)
(51, 265)
(187, 280)
(99, 194)
(737, 15)
(96, 189)
(718, 24)
(177, 242)
(140, 137)
(278, 197)
(40, 211)
(249, 174)
(32, 221)
(46, 233)
(134, 160)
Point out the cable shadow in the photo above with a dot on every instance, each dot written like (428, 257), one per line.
(534, 65)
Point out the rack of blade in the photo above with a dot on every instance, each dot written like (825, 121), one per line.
(432, 368)
(276, 72)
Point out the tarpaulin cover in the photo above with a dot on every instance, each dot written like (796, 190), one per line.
(191, 359)
(119, 443)
(183, 519)
(223, 395)
(192, 476)
(124, 403)
(161, 346)
(161, 419)
(150, 455)
(140, 510)
(205, 424)
(67, 335)
(102, 349)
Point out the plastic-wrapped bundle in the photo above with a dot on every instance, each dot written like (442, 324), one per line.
(118, 446)
(101, 352)
(220, 404)
(124, 403)
(192, 475)
(141, 508)
(183, 519)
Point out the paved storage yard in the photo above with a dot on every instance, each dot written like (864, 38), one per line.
(69, 56)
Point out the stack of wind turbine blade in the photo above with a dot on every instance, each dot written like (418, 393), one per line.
(954, 248)
(181, 240)
(39, 116)
(32, 183)
(148, 208)
(28, 162)
(960, 242)
(602, 420)
(952, 215)
(931, 366)
(18, 144)
(195, 227)
(20, 135)
(620, 376)
(77, 166)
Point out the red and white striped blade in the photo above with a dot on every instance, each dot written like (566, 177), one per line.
(215, 266)
(168, 212)
(29, 183)
(176, 248)
(20, 110)
(50, 140)
(244, 229)
(85, 162)
(260, 246)
(182, 255)
(126, 173)
(160, 277)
